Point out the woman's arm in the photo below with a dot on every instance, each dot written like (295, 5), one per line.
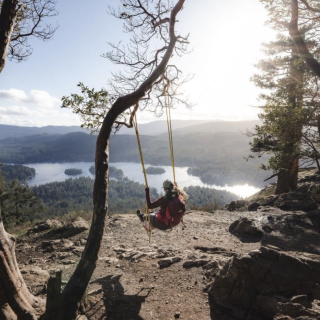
(155, 204)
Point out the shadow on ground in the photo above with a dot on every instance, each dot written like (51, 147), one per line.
(219, 313)
(297, 241)
(247, 238)
(117, 304)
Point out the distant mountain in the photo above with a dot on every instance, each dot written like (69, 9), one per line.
(154, 128)
(221, 126)
(7, 131)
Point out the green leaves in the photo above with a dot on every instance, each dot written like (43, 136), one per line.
(92, 106)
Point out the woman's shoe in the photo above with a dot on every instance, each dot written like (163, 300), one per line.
(140, 216)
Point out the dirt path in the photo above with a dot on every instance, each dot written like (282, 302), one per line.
(129, 282)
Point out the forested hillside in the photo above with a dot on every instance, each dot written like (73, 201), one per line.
(218, 158)
(125, 196)
(19, 172)
(61, 198)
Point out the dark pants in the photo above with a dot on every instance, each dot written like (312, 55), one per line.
(155, 222)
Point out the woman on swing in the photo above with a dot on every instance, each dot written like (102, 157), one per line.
(172, 208)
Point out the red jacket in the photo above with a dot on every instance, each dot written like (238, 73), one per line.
(163, 218)
(157, 203)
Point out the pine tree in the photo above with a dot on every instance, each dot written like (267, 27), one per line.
(18, 203)
(289, 108)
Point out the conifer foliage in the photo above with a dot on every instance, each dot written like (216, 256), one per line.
(290, 108)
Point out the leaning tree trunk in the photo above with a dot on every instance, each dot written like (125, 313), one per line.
(76, 286)
(7, 18)
(16, 302)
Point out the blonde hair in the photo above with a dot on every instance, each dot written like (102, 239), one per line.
(176, 190)
(181, 192)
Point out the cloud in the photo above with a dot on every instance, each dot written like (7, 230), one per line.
(13, 94)
(36, 108)
(48, 112)
(40, 98)
(18, 111)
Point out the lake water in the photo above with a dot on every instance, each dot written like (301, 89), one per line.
(50, 172)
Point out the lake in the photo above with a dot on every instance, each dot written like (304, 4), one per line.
(50, 172)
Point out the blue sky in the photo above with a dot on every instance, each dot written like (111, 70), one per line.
(225, 40)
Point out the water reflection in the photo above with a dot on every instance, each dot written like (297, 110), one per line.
(50, 172)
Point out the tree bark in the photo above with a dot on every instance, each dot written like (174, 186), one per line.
(53, 297)
(16, 302)
(288, 177)
(8, 16)
(288, 173)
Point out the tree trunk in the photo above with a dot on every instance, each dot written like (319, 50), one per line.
(284, 182)
(288, 173)
(53, 297)
(16, 302)
(288, 178)
(294, 174)
(76, 286)
(7, 18)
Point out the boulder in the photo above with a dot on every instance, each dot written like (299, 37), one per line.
(75, 227)
(45, 225)
(272, 306)
(253, 283)
(234, 205)
(57, 245)
(195, 263)
(253, 206)
(164, 263)
(245, 226)
(303, 187)
(294, 201)
(314, 216)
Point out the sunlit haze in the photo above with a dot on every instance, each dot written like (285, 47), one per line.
(225, 39)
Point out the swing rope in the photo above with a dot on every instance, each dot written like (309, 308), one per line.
(168, 113)
(135, 123)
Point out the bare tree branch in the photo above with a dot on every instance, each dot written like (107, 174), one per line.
(20, 20)
(298, 39)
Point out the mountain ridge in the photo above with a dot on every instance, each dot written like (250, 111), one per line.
(153, 128)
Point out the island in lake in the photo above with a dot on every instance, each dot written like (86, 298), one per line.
(155, 170)
(113, 172)
(72, 171)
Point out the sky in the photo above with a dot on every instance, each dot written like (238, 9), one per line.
(225, 42)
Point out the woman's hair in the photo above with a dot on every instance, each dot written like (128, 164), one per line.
(175, 191)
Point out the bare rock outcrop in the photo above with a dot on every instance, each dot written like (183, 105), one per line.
(267, 283)
(245, 226)
(45, 225)
(295, 201)
(75, 227)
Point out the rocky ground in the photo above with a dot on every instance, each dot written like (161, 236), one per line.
(238, 264)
